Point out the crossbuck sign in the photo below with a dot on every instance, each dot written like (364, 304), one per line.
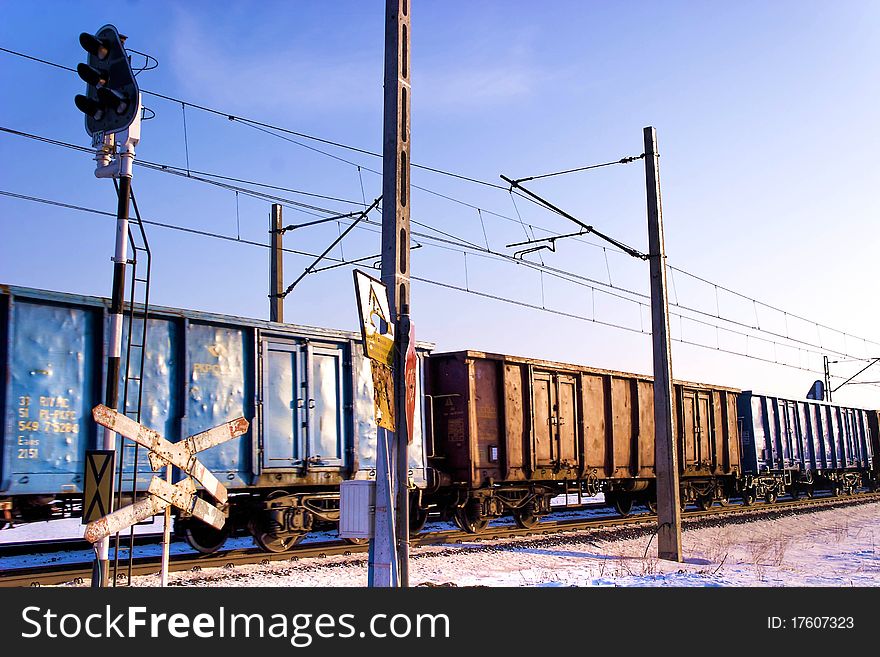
(162, 494)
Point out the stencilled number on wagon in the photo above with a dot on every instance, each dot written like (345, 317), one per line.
(60, 427)
(28, 447)
(455, 430)
(55, 402)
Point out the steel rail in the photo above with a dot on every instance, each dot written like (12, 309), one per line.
(80, 573)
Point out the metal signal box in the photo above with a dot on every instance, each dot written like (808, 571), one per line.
(357, 506)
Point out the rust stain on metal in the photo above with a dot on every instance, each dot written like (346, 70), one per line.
(238, 427)
(96, 530)
(383, 395)
(103, 416)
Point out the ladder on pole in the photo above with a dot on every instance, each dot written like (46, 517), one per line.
(132, 376)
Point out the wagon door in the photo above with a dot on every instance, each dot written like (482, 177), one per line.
(555, 410)
(544, 434)
(793, 435)
(703, 437)
(850, 435)
(689, 443)
(566, 424)
(325, 429)
(283, 405)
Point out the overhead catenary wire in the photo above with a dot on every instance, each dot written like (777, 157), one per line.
(311, 268)
(555, 271)
(268, 127)
(202, 176)
(233, 117)
(624, 160)
(158, 224)
(593, 319)
(309, 254)
(253, 122)
(757, 302)
(336, 144)
(454, 241)
(570, 315)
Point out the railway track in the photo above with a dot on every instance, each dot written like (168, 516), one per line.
(46, 546)
(79, 573)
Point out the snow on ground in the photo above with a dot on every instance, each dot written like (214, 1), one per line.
(66, 528)
(839, 547)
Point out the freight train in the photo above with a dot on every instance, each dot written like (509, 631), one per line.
(494, 434)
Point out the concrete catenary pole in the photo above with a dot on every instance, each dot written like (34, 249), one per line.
(665, 443)
(276, 266)
(396, 261)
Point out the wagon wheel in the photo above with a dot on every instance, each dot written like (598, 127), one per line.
(724, 500)
(456, 518)
(651, 504)
(771, 497)
(795, 492)
(204, 538)
(623, 504)
(809, 491)
(356, 541)
(525, 517)
(468, 524)
(270, 540)
(266, 534)
(417, 519)
(835, 490)
(705, 502)
(749, 497)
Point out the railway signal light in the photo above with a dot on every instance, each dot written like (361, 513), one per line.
(110, 103)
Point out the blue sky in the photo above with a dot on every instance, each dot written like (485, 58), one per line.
(765, 114)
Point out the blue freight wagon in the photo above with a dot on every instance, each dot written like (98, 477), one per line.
(798, 445)
(307, 392)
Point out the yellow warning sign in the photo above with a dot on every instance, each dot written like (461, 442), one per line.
(377, 328)
(383, 395)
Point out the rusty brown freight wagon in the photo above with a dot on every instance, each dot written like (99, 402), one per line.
(511, 433)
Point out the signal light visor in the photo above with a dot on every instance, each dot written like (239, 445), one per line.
(113, 99)
(93, 45)
(89, 107)
(92, 75)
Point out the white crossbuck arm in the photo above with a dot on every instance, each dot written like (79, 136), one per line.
(182, 454)
(159, 495)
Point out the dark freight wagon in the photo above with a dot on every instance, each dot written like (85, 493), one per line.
(797, 446)
(307, 392)
(511, 433)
